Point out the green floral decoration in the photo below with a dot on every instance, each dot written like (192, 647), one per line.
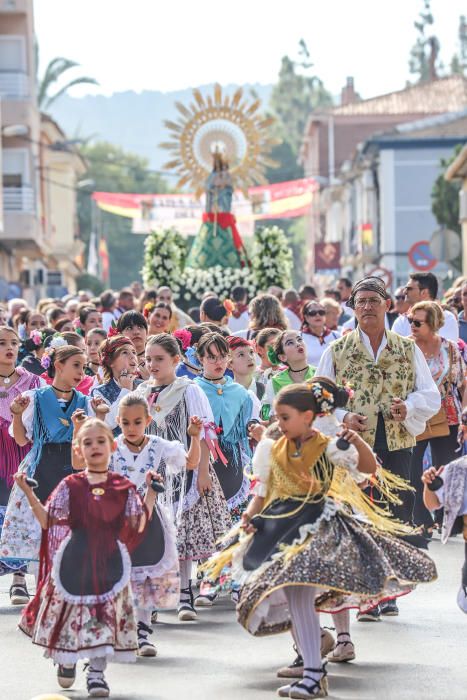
(272, 258)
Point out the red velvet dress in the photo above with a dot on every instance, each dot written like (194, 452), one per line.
(83, 607)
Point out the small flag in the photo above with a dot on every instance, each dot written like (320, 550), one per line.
(93, 261)
(104, 258)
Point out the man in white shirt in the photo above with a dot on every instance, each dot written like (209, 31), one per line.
(292, 304)
(240, 317)
(391, 384)
(423, 286)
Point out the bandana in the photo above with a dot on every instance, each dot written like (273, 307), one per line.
(368, 284)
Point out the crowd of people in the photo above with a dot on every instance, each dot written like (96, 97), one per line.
(294, 451)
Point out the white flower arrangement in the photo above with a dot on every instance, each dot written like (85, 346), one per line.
(219, 280)
(272, 258)
(164, 259)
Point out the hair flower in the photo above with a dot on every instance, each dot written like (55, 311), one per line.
(112, 331)
(57, 342)
(148, 309)
(184, 336)
(45, 360)
(229, 306)
(36, 337)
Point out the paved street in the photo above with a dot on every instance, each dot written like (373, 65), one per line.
(420, 655)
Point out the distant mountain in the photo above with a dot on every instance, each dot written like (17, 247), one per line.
(134, 121)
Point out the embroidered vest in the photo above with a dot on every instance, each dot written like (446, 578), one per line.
(375, 384)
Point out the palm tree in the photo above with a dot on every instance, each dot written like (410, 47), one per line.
(54, 71)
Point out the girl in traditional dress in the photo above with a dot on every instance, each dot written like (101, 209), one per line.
(201, 512)
(304, 549)
(83, 607)
(233, 407)
(155, 575)
(71, 338)
(133, 325)
(289, 349)
(13, 381)
(34, 348)
(94, 339)
(188, 339)
(120, 366)
(42, 423)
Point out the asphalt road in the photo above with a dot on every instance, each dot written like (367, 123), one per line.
(419, 655)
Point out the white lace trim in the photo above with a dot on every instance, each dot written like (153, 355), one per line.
(71, 657)
(90, 599)
(239, 574)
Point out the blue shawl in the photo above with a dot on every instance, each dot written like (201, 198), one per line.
(51, 423)
(232, 407)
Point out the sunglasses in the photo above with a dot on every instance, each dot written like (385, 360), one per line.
(400, 297)
(316, 312)
(415, 323)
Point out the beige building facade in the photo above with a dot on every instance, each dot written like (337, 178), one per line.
(38, 229)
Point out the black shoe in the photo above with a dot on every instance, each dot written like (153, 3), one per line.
(373, 615)
(96, 684)
(66, 676)
(186, 609)
(145, 648)
(19, 594)
(389, 609)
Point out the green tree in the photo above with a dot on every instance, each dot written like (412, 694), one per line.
(297, 93)
(53, 74)
(424, 55)
(459, 60)
(114, 170)
(445, 197)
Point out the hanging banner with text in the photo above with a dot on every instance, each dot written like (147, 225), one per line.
(283, 200)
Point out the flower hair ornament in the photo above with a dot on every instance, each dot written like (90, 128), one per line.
(56, 342)
(324, 398)
(272, 357)
(78, 327)
(38, 337)
(229, 306)
(349, 389)
(184, 336)
(112, 330)
(148, 309)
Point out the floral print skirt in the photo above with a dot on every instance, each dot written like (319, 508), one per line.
(203, 524)
(351, 563)
(85, 631)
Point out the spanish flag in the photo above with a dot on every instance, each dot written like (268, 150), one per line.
(104, 260)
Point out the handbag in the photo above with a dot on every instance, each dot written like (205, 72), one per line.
(436, 426)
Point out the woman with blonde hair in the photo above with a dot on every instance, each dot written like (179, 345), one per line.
(448, 371)
(265, 312)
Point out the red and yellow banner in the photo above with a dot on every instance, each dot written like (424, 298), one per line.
(283, 200)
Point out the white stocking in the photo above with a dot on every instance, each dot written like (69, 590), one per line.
(185, 572)
(342, 625)
(306, 629)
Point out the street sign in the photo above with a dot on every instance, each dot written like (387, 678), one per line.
(445, 244)
(384, 273)
(421, 257)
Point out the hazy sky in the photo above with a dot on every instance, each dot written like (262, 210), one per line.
(171, 44)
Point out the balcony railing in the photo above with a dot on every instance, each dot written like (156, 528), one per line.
(14, 85)
(19, 199)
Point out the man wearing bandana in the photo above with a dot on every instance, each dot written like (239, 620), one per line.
(393, 391)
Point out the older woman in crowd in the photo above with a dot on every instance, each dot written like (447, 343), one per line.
(316, 335)
(448, 371)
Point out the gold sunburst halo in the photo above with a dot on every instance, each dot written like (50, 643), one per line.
(231, 124)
